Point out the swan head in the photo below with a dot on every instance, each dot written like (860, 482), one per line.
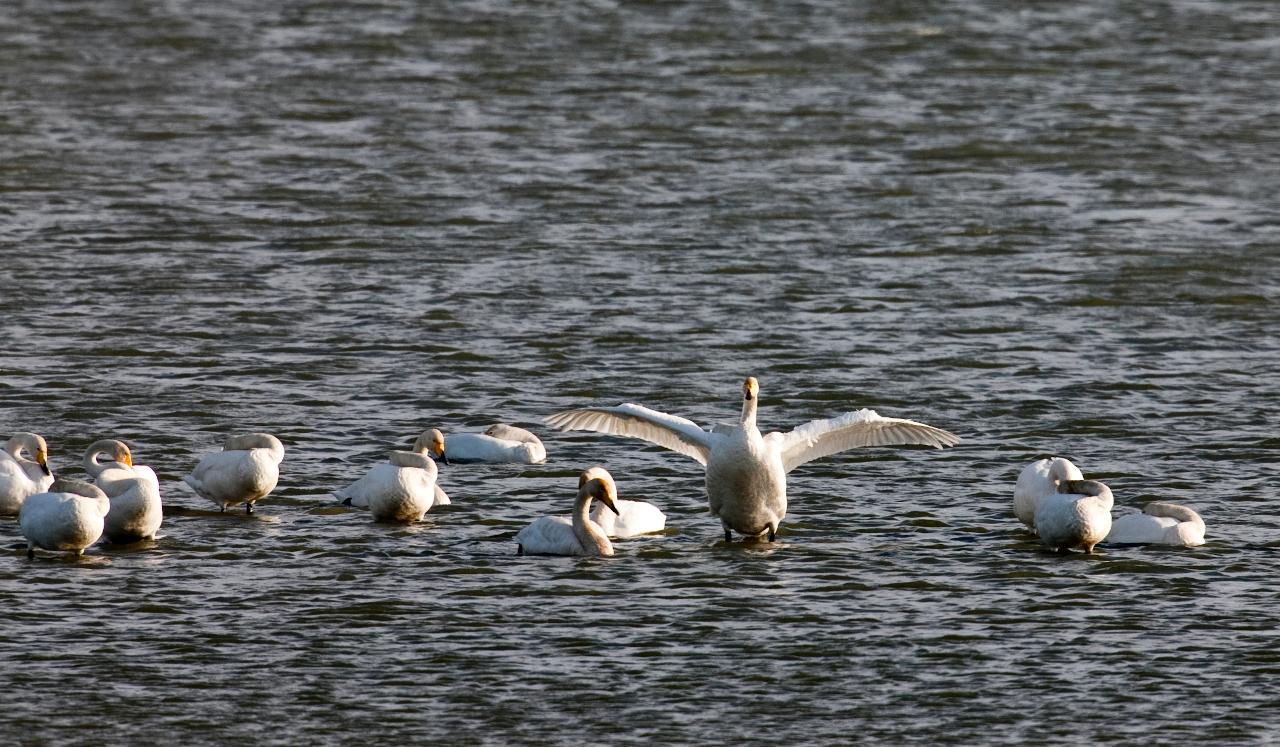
(750, 388)
(118, 451)
(34, 443)
(432, 442)
(597, 483)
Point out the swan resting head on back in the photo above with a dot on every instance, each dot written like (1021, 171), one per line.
(1160, 523)
(69, 516)
(1077, 516)
(136, 509)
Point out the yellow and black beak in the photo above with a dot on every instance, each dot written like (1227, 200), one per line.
(43, 460)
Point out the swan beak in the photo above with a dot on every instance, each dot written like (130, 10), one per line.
(128, 460)
(608, 501)
(444, 457)
(43, 460)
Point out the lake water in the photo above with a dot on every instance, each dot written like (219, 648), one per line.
(1049, 228)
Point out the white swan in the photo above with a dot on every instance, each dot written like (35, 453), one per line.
(21, 476)
(627, 518)
(246, 469)
(70, 516)
(401, 489)
(1038, 479)
(499, 443)
(1078, 515)
(134, 490)
(1159, 523)
(579, 535)
(747, 472)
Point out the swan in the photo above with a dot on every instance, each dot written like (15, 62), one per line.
(1078, 515)
(628, 518)
(1159, 523)
(579, 535)
(401, 489)
(746, 478)
(134, 490)
(499, 443)
(70, 516)
(1038, 479)
(21, 476)
(246, 469)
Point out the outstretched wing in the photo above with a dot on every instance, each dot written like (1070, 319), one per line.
(819, 438)
(634, 421)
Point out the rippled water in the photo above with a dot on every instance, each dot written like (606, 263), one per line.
(1050, 229)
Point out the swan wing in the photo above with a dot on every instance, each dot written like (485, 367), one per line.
(820, 438)
(634, 421)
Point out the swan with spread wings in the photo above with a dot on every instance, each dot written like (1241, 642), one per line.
(746, 470)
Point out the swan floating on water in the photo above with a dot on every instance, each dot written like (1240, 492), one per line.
(134, 491)
(1077, 516)
(1037, 480)
(70, 516)
(499, 443)
(746, 477)
(21, 476)
(1159, 523)
(404, 487)
(626, 518)
(579, 535)
(246, 470)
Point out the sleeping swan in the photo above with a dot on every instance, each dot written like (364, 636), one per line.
(70, 516)
(579, 535)
(1078, 515)
(1039, 479)
(247, 469)
(401, 489)
(747, 472)
(21, 476)
(1159, 523)
(136, 511)
(627, 518)
(499, 443)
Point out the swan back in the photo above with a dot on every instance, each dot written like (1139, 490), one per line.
(70, 516)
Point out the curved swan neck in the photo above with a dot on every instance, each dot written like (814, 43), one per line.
(411, 459)
(116, 452)
(28, 442)
(256, 441)
(586, 530)
(1091, 488)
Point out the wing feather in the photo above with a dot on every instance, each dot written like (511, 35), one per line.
(820, 438)
(634, 421)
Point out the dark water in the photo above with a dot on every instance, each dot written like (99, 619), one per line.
(1050, 228)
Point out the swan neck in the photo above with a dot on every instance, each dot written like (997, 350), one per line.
(749, 411)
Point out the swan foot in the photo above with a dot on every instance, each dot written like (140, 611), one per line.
(31, 552)
(248, 509)
(519, 549)
(728, 535)
(773, 534)
(223, 508)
